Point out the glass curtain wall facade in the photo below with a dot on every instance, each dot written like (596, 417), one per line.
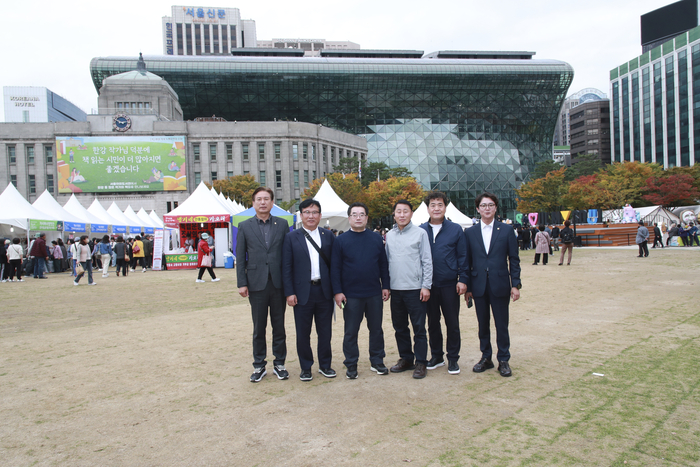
(665, 128)
(460, 126)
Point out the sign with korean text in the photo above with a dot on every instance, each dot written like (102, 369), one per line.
(204, 14)
(36, 224)
(121, 164)
(173, 221)
(182, 261)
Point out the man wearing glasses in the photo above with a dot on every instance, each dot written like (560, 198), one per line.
(307, 285)
(493, 280)
(360, 278)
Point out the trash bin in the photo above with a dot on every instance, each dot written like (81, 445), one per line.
(228, 260)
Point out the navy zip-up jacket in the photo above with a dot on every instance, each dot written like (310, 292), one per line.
(449, 250)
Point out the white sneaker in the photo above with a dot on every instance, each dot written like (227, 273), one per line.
(216, 280)
(93, 283)
(131, 270)
(21, 280)
(105, 275)
(143, 270)
(199, 280)
(75, 283)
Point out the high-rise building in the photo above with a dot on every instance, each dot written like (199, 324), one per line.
(655, 104)
(25, 104)
(590, 130)
(192, 30)
(562, 135)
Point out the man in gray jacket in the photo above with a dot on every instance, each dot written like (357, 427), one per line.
(642, 237)
(411, 273)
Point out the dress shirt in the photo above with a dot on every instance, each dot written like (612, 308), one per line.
(265, 229)
(313, 254)
(486, 233)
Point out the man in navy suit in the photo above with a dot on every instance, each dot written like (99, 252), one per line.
(259, 274)
(306, 277)
(493, 280)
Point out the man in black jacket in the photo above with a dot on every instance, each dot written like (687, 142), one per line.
(657, 236)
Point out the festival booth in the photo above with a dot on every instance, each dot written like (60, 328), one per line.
(133, 227)
(71, 224)
(201, 212)
(456, 216)
(17, 215)
(688, 214)
(94, 223)
(119, 228)
(146, 228)
(334, 211)
(250, 212)
(421, 214)
(648, 214)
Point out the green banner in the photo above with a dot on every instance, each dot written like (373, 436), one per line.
(121, 164)
(36, 224)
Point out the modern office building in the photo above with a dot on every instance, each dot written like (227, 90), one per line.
(37, 104)
(655, 104)
(665, 23)
(286, 156)
(191, 30)
(562, 155)
(311, 47)
(562, 134)
(461, 122)
(590, 130)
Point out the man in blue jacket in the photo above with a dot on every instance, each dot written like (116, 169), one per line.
(493, 280)
(449, 251)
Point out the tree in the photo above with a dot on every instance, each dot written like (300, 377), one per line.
(543, 168)
(622, 183)
(671, 190)
(583, 193)
(286, 205)
(587, 164)
(542, 194)
(239, 188)
(381, 195)
(347, 187)
(370, 171)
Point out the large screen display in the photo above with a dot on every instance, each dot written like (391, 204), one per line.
(669, 21)
(121, 163)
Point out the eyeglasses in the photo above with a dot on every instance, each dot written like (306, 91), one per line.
(490, 206)
(358, 216)
(311, 213)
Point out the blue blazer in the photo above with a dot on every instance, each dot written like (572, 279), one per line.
(296, 265)
(501, 265)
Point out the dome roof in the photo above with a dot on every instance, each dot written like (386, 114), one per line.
(134, 75)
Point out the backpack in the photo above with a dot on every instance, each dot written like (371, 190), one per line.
(567, 236)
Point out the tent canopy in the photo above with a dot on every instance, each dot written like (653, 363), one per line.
(47, 203)
(16, 211)
(648, 214)
(420, 215)
(201, 202)
(334, 211)
(456, 216)
(74, 207)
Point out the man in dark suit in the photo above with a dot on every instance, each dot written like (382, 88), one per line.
(493, 280)
(259, 273)
(307, 285)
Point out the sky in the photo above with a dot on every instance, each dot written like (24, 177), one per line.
(50, 44)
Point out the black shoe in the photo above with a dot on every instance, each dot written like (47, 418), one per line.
(435, 362)
(281, 372)
(327, 372)
(306, 375)
(504, 369)
(453, 367)
(402, 365)
(258, 375)
(351, 372)
(420, 372)
(380, 369)
(483, 365)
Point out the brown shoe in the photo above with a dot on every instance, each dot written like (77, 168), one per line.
(402, 365)
(420, 371)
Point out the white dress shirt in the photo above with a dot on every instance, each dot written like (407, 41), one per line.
(313, 254)
(486, 233)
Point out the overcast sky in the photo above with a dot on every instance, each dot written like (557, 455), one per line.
(50, 44)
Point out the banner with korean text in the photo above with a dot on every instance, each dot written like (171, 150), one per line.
(173, 221)
(121, 164)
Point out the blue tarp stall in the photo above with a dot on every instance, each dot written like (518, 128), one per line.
(248, 213)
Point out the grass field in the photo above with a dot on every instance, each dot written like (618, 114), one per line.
(153, 369)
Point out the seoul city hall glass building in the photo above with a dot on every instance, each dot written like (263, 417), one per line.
(461, 122)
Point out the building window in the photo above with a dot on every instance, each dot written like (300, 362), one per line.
(245, 151)
(296, 179)
(49, 183)
(263, 180)
(229, 152)
(25, 116)
(212, 152)
(305, 150)
(314, 176)
(197, 178)
(295, 151)
(323, 150)
(169, 206)
(13, 180)
(261, 151)
(278, 178)
(214, 176)
(229, 174)
(590, 132)
(11, 155)
(30, 154)
(195, 151)
(278, 151)
(306, 178)
(48, 154)
(32, 184)
(313, 152)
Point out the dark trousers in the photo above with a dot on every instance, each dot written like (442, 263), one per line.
(39, 267)
(544, 258)
(405, 304)
(657, 240)
(643, 249)
(122, 265)
(499, 307)
(16, 268)
(318, 309)
(201, 272)
(355, 310)
(269, 300)
(447, 299)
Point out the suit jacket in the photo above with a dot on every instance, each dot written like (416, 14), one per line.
(501, 265)
(296, 265)
(255, 262)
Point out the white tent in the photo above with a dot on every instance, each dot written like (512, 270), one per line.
(97, 210)
(147, 221)
(134, 219)
(16, 211)
(71, 223)
(117, 214)
(201, 202)
(456, 216)
(74, 207)
(157, 220)
(334, 211)
(420, 215)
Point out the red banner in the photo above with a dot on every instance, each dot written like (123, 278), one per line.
(173, 221)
